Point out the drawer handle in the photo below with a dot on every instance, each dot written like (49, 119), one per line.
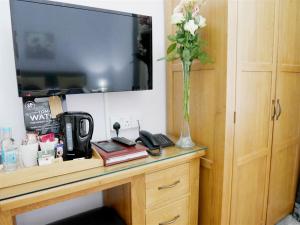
(169, 186)
(279, 109)
(170, 221)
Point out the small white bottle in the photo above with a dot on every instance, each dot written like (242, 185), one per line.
(9, 151)
(1, 137)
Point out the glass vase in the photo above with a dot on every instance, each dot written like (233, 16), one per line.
(185, 140)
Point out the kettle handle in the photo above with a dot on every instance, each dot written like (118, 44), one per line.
(91, 126)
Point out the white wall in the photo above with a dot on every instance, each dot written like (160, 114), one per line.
(148, 106)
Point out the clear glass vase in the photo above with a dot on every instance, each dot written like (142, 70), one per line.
(185, 140)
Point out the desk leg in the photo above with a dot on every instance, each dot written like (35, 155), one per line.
(6, 218)
(138, 200)
(194, 184)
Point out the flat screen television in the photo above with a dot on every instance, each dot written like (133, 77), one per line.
(70, 49)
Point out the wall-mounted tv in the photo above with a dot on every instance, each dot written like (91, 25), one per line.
(70, 49)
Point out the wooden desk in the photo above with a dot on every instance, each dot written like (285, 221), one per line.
(155, 190)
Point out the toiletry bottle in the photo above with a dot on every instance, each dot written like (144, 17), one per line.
(9, 151)
(1, 137)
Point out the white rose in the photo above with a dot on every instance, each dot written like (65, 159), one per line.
(177, 18)
(190, 26)
(200, 21)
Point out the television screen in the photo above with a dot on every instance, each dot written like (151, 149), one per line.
(69, 49)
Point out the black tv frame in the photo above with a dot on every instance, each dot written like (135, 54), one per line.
(63, 92)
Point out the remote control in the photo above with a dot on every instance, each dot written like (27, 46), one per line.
(124, 141)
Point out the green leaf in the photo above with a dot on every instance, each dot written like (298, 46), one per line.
(172, 56)
(179, 50)
(171, 48)
(172, 38)
(180, 40)
(162, 58)
(192, 37)
(195, 52)
(179, 35)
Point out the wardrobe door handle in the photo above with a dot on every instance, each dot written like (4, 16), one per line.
(278, 112)
(274, 109)
(170, 221)
(169, 186)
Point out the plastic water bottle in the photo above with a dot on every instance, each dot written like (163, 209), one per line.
(9, 151)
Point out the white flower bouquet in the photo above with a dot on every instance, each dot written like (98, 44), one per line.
(187, 45)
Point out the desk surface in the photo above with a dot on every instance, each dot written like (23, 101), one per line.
(46, 184)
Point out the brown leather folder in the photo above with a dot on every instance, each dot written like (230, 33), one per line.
(127, 154)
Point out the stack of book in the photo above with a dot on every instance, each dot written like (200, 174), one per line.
(126, 153)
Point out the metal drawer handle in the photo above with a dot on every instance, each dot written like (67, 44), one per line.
(169, 186)
(170, 221)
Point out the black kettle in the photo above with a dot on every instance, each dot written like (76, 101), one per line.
(77, 131)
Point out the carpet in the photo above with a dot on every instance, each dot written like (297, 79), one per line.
(289, 220)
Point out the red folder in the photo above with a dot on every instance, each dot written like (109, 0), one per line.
(129, 153)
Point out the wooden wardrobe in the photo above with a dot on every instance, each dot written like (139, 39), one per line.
(246, 108)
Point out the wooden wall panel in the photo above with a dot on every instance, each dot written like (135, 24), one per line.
(206, 196)
(202, 115)
(208, 105)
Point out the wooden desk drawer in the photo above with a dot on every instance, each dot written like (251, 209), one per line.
(166, 185)
(173, 214)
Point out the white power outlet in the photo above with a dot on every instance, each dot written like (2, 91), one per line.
(126, 122)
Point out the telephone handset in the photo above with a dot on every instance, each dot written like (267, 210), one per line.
(148, 140)
(154, 142)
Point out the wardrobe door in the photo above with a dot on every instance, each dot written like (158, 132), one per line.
(255, 90)
(286, 141)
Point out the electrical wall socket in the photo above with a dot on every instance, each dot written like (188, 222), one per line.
(126, 122)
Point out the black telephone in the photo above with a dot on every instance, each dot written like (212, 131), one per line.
(154, 141)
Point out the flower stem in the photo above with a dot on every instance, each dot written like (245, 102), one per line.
(186, 89)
